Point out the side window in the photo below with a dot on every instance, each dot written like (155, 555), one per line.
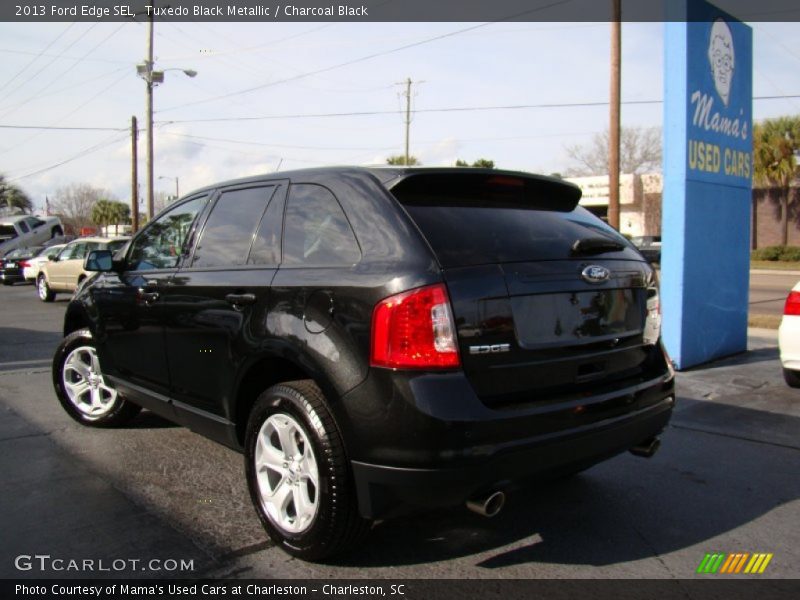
(23, 227)
(316, 232)
(228, 232)
(266, 248)
(33, 222)
(161, 243)
(72, 252)
(88, 248)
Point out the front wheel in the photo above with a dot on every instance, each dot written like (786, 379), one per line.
(298, 474)
(81, 387)
(43, 290)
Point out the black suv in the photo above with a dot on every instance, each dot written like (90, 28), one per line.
(376, 340)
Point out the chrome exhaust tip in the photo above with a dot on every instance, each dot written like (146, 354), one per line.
(487, 505)
(647, 448)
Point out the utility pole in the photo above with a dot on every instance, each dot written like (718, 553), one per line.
(614, 125)
(134, 176)
(149, 117)
(408, 115)
(407, 94)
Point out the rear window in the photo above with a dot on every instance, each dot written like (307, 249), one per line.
(498, 219)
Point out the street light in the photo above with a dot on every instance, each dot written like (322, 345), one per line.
(177, 191)
(152, 78)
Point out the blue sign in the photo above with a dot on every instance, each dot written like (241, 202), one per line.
(708, 168)
(719, 97)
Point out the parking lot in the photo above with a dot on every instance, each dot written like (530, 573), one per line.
(725, 480)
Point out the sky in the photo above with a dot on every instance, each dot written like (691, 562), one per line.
(83, 75)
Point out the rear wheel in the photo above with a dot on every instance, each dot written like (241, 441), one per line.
(81, 387)
(43, 290)
(792, 378)
(56, 231)
(298, 474)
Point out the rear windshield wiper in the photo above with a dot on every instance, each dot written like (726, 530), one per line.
(596, 245)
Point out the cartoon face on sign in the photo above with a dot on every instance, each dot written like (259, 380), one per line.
(721, 58)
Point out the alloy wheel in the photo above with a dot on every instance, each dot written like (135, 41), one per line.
(84, 384)
(287, 473)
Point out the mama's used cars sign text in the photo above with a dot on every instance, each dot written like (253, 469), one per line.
(719, 128)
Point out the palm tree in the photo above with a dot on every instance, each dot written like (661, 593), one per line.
(121, 215)
(108, 212)
(12, 196)
(775, 144)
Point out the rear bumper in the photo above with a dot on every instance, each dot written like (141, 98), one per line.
(385, 491)
(465, 457)
(11, 277)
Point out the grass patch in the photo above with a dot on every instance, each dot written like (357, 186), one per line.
(764, 321)
(775, 265)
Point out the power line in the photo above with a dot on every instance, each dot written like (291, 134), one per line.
(368, 113)
(37, 56)
(268, 145)
(36, 74)
(63, 128)
(80, 154)
(62, 57)
(74, 85)
(72, 112)
(65, 71)
(365, 113)
(362, 58)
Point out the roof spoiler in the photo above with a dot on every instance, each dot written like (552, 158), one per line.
(485, 188)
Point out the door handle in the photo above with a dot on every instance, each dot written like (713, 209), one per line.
(239, 300)
(147, 297)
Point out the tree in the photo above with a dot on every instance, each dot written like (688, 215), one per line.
(481, 163)
(639, 152)
(110, 212)
(12, 197)
(399, 159)
(74, 204)
(776, 143)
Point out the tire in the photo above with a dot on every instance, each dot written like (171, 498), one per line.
(792, 378)
(43, 290)
(80, 386)
(7, 282)
(57, 231)
(291, 421)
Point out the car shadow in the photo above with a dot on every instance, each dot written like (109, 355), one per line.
(751, 356)
(623, 510)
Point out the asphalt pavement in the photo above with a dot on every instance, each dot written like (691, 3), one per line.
(153, 496)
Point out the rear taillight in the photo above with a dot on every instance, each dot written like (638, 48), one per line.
(24, 265)
(792, 306)
(652, 323)
(414, 330)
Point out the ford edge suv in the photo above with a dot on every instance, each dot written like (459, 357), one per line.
(376, 341)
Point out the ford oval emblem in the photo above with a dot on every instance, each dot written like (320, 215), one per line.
(595, 274)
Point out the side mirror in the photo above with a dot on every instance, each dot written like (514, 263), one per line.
(98, 260)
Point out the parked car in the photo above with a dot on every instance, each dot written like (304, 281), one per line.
(12, 264)
(19, 231)
(64, 272)
(789, 338)
(376, 340)
(32, 266)
(649, 246)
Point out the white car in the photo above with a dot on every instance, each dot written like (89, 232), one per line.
(789, 338)
(34, 265)
(19, 231)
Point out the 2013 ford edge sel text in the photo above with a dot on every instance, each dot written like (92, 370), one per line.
(376, 340)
